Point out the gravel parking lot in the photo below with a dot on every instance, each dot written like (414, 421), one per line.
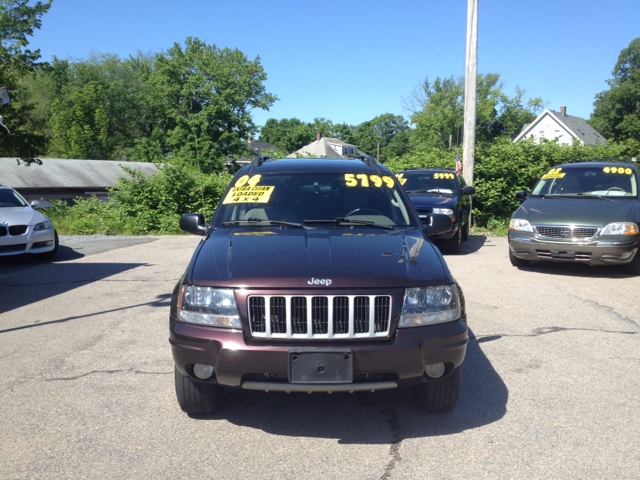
(550, 384)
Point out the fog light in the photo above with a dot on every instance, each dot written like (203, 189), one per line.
(624, 256)
(435, 371)
(202, 371)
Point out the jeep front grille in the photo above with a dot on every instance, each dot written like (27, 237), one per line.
(340, 316)
(568, 232)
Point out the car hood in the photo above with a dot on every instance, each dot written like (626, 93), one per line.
(292, 258)
(425, 200)
(20, 216)
(574, 211)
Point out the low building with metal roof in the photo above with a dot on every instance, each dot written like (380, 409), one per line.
(66, 179)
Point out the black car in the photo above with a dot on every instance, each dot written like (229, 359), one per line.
(440, 191)
(316, 275)
(586, 212)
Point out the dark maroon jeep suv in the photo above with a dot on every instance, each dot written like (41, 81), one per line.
(316, 275)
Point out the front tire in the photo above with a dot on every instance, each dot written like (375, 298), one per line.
(465, 232)
(517, 262)
(198, 398)
(454, 244)
(439, 396)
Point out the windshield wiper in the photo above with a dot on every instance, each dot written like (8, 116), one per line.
(433, 190)
(595, 196)
(261, 220)
(343, 220)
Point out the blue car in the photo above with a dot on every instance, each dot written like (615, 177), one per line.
(440, 191)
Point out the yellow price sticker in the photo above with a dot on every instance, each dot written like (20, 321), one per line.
(401, 179)
(623, 170)
(554, 173)
(443, 176)
(353, 180)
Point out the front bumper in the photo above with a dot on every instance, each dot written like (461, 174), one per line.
(614, 252)
(29, 242)
(264, 366)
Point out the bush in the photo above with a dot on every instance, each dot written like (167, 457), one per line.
(141, 205)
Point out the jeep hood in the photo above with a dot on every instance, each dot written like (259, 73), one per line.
(291, 258)
(586, 212)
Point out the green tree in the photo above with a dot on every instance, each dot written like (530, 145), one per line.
(207, 95)
(387, 134)
(438, 111)
(288, 134)
(18, 20)
(80, 124)
(617, 110)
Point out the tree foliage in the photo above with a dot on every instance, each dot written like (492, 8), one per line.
(437, 110)
(617, 110)
(18, 20)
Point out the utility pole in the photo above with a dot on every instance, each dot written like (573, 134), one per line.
(470, 95)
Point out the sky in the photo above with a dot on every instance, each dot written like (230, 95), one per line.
(351, 60)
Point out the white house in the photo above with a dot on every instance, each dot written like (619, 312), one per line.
(558, 125)
(327, 147)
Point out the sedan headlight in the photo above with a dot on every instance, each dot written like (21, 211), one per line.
(443, 211)
(46, 225)
(520, 224)
(620, 228)
(215, 307)
(430, 305)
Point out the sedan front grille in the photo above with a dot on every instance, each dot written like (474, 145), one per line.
(295, 316)
(18, 229)
(568, 232)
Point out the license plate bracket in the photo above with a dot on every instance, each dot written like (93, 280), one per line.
(562, 254)
(320, 366)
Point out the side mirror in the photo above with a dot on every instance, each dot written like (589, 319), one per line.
(522, 196)
(36, 204)
(438, 224)
(468, 191)
(193, 223)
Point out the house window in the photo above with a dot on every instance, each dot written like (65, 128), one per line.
(541, 134)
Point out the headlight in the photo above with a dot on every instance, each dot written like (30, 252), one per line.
(430, 305)
(215, 307)
(520, 224)
(46, 225)
(443, 211)
(620, 228)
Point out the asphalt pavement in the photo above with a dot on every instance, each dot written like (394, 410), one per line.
(550, 385)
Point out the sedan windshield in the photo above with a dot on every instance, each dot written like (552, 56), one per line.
(9, 198)
(596, 181)
(428, 182)
(313, 198)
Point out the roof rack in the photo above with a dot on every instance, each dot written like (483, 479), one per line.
(259, 160)
(369, 161)
(616, 160)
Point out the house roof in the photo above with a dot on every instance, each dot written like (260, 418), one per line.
(66, 173)
(575, 126)
(257, 148)
(322, 148)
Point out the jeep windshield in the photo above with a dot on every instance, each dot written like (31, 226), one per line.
(429, 182)
(588, 181)
(315, 198)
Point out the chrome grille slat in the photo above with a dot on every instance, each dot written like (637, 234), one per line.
(566, 232)
(319, 316)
